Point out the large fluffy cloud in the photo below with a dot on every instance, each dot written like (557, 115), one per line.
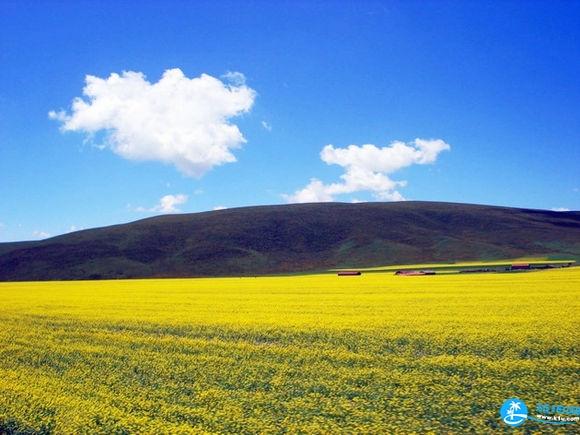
(178, 120)
(367, 168)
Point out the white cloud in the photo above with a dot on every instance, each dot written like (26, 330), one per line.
(367, 168)
(179, 121)
(560, 209)
(235, 78)
(40, 234)
(266, 126)
(167, 204)
(315, 191)
(219, 207)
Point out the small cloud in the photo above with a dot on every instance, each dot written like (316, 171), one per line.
(236, 78)
(40, 235)
(314, 191)
(167, 204)
(560, 209)
(367, 169)
(185, 122)
(266, 126)
(219, 207)
(74, 228)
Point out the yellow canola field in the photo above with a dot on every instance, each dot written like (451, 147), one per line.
(303, 354)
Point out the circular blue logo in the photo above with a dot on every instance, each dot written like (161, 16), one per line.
(514, 412)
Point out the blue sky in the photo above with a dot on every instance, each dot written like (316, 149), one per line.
(491, 89)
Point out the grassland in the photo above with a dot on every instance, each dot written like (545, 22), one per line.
(461, 265)
(312, 354)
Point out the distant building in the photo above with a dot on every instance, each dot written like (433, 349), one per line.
(476, 270)
(520, 266)
(349, 273)
(414, 272)
(550, 265)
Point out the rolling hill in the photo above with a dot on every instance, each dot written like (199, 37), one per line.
(294, 238)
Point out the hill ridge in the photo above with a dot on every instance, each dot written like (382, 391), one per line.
(269, 239)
